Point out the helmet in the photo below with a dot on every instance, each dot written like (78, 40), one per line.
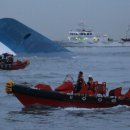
(90, 76)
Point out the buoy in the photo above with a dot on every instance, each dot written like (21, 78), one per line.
(9, 86)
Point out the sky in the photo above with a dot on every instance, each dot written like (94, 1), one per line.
(55, 18)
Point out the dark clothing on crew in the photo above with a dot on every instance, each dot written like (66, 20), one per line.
(9, 60)
(90, 84)
(6, 58)
(80, 82)
(79, 85)
(0, 58)
(90, 81)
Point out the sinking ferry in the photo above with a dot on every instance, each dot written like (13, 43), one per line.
(19, 38)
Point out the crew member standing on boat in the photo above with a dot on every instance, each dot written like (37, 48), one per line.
(80, 82)
(90, 81)
(91, 86)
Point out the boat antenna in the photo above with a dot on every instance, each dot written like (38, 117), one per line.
(127, 31)
(82, 25)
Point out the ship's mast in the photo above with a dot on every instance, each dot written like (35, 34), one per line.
(127, 31)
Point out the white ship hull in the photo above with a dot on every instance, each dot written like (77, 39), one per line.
(5, 49)
(90, 44)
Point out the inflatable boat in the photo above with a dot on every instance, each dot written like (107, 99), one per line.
(15, 65)
(63, 96)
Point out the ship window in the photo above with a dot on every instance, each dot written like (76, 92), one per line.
(27, 36)
(87, 33)
(81, 34)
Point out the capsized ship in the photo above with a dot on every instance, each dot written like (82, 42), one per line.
(22, 39)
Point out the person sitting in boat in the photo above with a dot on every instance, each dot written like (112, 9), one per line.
(7, 58)
(80, 82)
(0, 58)
(3, 58)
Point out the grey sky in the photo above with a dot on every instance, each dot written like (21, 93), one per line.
(54, 18)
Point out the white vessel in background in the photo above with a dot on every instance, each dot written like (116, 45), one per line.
(82, 35)
(127, 37)
(86, 37)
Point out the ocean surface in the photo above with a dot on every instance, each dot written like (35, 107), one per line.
(110, 64)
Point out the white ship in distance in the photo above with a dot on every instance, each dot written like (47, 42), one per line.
(85, 35)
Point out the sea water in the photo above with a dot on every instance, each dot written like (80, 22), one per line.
(109, 64)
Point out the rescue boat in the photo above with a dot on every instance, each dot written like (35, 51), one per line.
(15, 65)
(63, 96)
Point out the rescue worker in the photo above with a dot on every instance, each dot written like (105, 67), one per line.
(7, 58)
(80, 82)
(0, 58)
(91, 86)
(90, 80)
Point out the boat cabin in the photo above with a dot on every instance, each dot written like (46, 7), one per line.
(81, 33)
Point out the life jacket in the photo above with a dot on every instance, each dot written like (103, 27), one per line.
(100, 88)
(92, 88)
(84, 89)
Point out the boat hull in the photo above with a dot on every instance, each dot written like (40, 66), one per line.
(125, 39)
(30, 97)
(15, 66)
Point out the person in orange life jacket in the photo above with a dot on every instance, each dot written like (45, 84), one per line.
(90, 82)
(80, 82)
